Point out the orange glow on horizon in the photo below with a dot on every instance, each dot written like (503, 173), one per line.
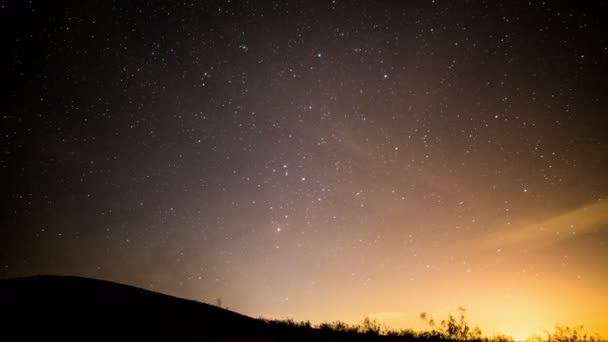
(511, 286)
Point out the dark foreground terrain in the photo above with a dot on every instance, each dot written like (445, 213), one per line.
(73, 307)
(62, 308)
(59, 308)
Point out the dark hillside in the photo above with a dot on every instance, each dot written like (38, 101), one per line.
(71, 306)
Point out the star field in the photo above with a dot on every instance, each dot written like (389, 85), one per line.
(318, 160)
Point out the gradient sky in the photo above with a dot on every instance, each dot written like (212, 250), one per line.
(318, 160)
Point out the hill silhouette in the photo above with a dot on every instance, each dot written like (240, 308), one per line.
(74, 307)
(70, 308)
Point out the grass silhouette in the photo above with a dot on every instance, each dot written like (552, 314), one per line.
(73, 308)
(452, 329)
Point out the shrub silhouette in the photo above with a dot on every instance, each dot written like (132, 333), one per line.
(338, 326)
(452, 329)
(370, 327)
(569, 334)
(502, 338)
(36, 300)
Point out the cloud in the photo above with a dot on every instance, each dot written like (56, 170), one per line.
(563, 226)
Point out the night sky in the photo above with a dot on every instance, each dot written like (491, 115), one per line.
(319, 160)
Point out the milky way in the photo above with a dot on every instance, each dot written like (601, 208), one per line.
(318, 160)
